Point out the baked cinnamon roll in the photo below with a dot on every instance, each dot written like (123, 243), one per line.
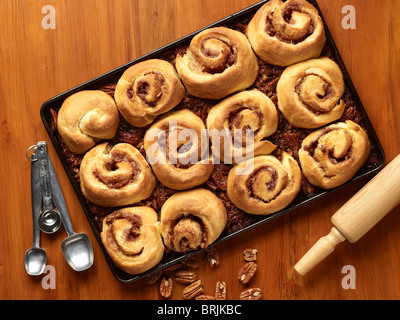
(112, 176)
(283, 33)
(218, 62)
(148, 89)
(177, 150)
(264, 185)
(331, 156)
(239, 124)
(192, 220)
(131, 237)
(86, 117)
(309, 93)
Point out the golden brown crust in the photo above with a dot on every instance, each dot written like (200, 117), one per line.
(85, 117)
(148, 89)
(331, 156)
(112, 176)
(264, 185)
(231, 118)
(283, 33)
(177, 149)
(218, 62)
(132, 239)
(309, 93)
(192, 220)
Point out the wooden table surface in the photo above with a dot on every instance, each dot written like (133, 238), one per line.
(93, 37)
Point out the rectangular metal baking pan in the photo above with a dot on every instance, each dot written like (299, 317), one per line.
(113, 76)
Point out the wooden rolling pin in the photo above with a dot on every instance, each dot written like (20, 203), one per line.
(358, 215)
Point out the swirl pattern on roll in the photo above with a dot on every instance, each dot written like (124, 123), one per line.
(148, 89)
(283, 33)
(178, 151)
(331, 156)
(309, 93)
(264, 185)
(232, 122)
(192, 220)
(118, 175)
(86, 117)
(131, 237)
(219, 61)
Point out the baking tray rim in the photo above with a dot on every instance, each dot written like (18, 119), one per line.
(263, 219)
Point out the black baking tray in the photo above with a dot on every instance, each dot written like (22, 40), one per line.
(369, 169)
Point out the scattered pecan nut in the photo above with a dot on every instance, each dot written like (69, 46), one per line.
(153, 277)
(247, 272)
(174, 267)
(166, 287)
(204, 297)
(251, 294)
(220, 290)
(185, 276)
(191, 262)
(192, 290)
(250, 255)
(213, 257)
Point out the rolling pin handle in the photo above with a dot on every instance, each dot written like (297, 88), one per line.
(321, 249)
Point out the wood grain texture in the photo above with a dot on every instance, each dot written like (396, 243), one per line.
(93, 37)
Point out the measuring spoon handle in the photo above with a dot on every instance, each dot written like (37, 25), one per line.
(59, 201)
(36, 198)
(42, 157)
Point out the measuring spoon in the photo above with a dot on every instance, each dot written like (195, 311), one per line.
(49, 219)
(35, 258)
(77, 248)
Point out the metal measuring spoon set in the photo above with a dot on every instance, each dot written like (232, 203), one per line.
(47, 194)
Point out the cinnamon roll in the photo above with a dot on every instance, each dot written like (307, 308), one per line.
(218, 62)
(148, 89)
(86, 117)
(192, 220)
(331, 156)
(309, 93)
(132, 239)
(112, 176)
(283, 33)
(232, 122)
(264, 185)
(177, 150)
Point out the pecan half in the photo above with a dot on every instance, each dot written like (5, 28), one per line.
(166, 287)
(153, 277)
(192, 290)
(251, 294)
(204, 297)
(250, 255)
(247, 272)
(185, 276)
(173, 267)
(108, 88)
(220, 290)
(212, 257)
(191, 262)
